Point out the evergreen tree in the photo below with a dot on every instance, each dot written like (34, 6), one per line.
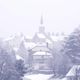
(20, 67)
(7, 68)
(72, 46)
(61, 64)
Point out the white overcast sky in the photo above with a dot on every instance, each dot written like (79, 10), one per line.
(24, 16)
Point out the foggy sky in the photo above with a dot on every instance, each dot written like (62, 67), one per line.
(24, 16)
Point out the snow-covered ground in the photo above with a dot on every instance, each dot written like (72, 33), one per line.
(36, 77)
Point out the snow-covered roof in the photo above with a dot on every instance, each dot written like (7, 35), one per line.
(15, 48)
(42, 53)
(40, 35)
(29, 37)
(72, 71)
(64, 78)
(41, 44)
(18, 57)
(15, 36)
(29, 44)
(41, 48)
(56, 38)
(48, 41)
(9, 38)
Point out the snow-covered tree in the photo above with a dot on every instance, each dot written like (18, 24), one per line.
(61, 64)
(7, 67)
(23, 52)
(72, 46)
(20, 67)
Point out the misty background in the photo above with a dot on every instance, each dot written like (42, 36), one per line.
(24, 16)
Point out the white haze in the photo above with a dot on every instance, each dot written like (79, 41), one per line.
(24, 16)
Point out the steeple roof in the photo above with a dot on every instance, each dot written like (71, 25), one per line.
(41, 22)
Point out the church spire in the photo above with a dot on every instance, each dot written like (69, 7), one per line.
(41, 22)
(41, 28)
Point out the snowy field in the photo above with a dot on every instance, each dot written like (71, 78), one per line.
(36, 77)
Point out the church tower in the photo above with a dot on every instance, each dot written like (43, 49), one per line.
(41, 28)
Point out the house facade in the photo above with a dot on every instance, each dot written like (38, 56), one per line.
(42, 59)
